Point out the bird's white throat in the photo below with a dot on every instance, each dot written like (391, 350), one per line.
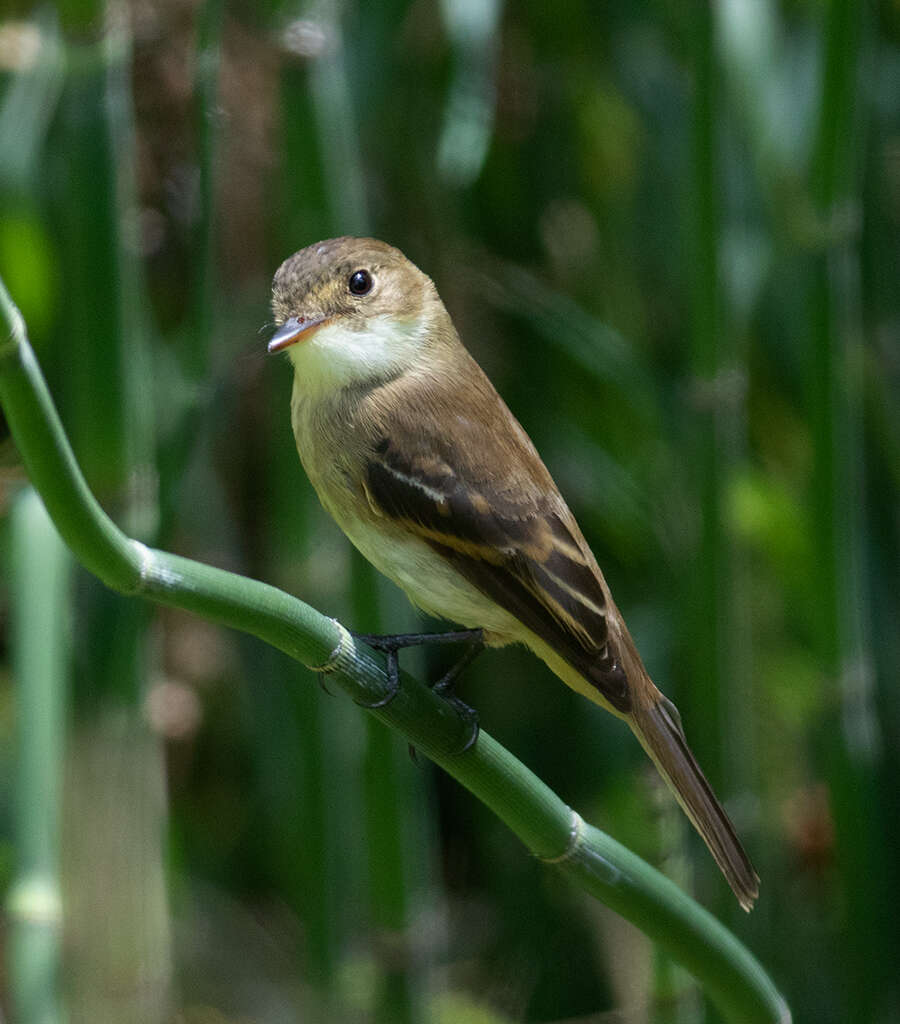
(338, 355)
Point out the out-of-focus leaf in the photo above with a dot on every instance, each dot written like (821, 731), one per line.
(459, 1008)
(770, 519)
(595, 346)
(469, 112)
(32, 51)
(28, 262)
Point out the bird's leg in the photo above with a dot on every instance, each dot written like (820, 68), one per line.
(444, 688)
(393, 643)
(396, 641)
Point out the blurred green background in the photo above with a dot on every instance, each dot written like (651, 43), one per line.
(670, 233)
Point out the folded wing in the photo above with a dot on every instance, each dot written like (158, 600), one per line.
(521, 547)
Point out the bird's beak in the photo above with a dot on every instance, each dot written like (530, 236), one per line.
(295, 329)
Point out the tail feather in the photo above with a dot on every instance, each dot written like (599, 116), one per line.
(658, 728)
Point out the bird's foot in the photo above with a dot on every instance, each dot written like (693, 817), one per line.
(393, 643)
(445, 685)
(392, 668)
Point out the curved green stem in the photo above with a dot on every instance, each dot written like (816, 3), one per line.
(548, 827)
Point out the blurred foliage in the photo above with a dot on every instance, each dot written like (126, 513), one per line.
(670, 234)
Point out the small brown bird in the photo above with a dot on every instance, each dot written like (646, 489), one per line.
(429, 474)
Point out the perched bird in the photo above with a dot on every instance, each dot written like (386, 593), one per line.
(429, 474)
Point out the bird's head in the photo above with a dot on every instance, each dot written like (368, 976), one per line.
(353, 310)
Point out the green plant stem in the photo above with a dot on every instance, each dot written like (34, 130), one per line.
(207, 61)
(850, 739)
(549, 828)
(380, 777)
(706, 583)
(388, 863)
(39, 583)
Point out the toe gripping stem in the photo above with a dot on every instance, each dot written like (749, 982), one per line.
(392, 644)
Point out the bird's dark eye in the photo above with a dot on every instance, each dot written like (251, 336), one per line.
(360, 282)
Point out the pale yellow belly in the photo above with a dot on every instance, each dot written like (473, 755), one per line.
(431, 583)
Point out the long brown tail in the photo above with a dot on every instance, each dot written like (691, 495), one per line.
(658, 728)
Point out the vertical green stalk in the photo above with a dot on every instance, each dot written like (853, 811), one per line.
(704, 696)
(339, 175)
(201, 325)
(336, 125)
(385, 772)
(29, 100)
(387, 856)
(207, 59)
(118, 943)
(104, 364)
(469, 113)
(322, 173)
(104, 361)
(90, 362)
(296, 766)
(39, 591)
(381, 796)
(716, 721)
(707, 646)
(850, 742)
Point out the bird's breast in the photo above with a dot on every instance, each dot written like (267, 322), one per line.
(331, 454)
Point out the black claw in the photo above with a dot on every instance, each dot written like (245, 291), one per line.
(467, 714)
(391, 644)
(393, 677)
(473, 736)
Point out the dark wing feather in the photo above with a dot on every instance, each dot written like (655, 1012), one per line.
(516, 549)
